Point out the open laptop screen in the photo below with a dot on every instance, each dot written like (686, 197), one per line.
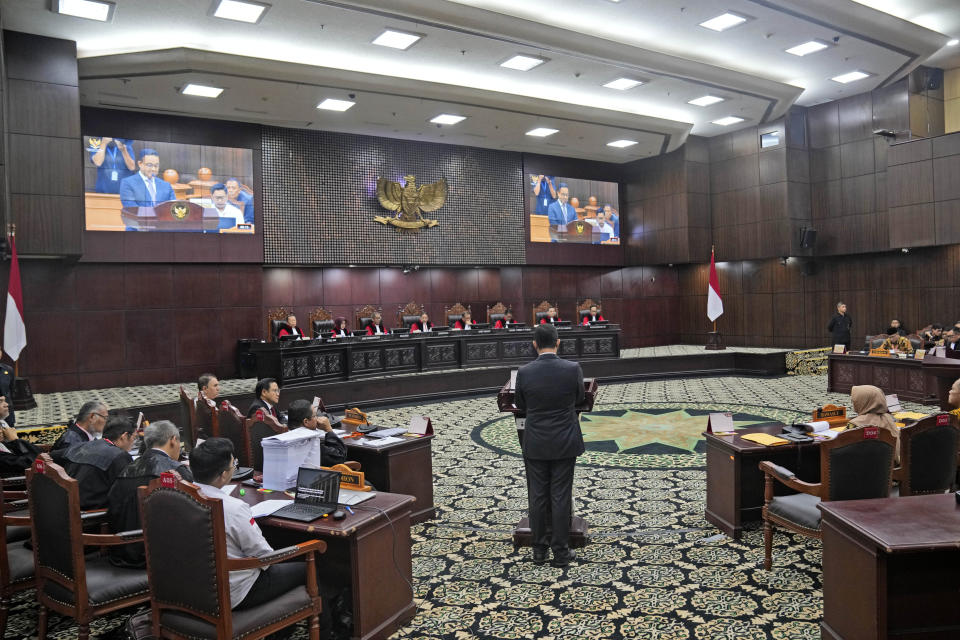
(317, 487)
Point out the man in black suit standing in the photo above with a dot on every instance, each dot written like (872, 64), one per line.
(548, 391)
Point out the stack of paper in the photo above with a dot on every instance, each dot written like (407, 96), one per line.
(283, 455)
(382, 442)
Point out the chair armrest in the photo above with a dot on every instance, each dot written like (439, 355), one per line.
(15, 480)
(16, 521)
(302, 549)
(93, 514)
(111, 539)
(789, 478)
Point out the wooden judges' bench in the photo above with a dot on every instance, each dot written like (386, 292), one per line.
(921, 381)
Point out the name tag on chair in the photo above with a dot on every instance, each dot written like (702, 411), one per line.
(870, 433)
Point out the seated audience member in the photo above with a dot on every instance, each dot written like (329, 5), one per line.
(161, 442)
(208, 387)
(551, 316)
(896, 342)
(88, 425)
(422, 325)
(932, 336)
(601, 226)
(240, 199)
(464, 323)
(302, 414)
(213, 464)
(339, 327)
(871, 406)
(267, 394)
(97, 464)
(230, 215)
(505, 322)
(593, 316)
(895, 324)
(15, 454)
(291, 329)
(951, 338)
(613, 218)
(375, 326)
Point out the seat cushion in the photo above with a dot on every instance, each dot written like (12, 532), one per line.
(21, 561)
(105, 583)
(800, 509)
(18, 534)
(245, 622)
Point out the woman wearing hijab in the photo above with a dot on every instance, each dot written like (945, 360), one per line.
(871, 406)
(340, 327)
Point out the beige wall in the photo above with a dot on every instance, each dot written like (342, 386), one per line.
(951, 100)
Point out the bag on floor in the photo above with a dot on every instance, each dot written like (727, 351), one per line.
(139, 626)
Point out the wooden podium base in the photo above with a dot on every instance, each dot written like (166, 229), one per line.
(714, 341)
(523, 537)
(22, 395)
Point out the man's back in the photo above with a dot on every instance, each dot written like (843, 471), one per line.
(95, 465)
(548, 390)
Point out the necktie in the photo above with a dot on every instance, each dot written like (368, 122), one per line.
(152, 188)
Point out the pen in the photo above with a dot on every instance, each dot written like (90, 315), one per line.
(349, 510)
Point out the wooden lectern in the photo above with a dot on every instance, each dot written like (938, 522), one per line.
(522, 536)
(174, 215)
(578, 231)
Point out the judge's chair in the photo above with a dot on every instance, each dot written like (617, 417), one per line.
(364, 316)
(856, 465)
(540, 311)
(496, 312)
(188, 420)
(321, 322)
(276, 320)
(454, 313)
(69, 581)
(583, 309)
(189, 570)
(409, 314)
(928, 456)
(16, 560)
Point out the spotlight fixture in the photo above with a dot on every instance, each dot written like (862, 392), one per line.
(201, 91)
(240, 10)
(90, 9)
(396, 39)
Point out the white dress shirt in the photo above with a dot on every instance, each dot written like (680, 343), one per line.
(244, 540)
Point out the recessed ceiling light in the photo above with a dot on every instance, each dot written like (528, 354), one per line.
(705, 101)
(396, 39)
(953, 43)
(852, 76)
(620, 144)
(541, 132)
(448, 118)
(331, 104)
(807, 48)
(522, 63)
(622, 84)
(89, 9)
(723, 22)
(240, 10)
(729, 120)
(201, 90)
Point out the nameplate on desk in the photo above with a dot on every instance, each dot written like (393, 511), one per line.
(370, 338)
(483, 330)
(722, 422)
(421, 425)
(839, 348)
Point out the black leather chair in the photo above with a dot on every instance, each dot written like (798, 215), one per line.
(915, 341)
(583, 314)
(189, 571)
(856, 465)
(69, 581)
(322, 327)
(538, 316)
(928, 456)
(16, 560)
(407, 320)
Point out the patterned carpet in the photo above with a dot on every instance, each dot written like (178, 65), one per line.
(654, 568)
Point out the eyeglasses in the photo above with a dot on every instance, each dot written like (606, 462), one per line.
(102, 415)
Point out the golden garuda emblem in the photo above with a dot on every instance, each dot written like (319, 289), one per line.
(408, 202)
(94, 142)
(180, 211)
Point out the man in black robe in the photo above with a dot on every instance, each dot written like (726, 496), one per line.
(16, 455)
(89, 423)
(97, 464)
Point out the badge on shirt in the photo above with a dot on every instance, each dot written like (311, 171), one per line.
(114, 176)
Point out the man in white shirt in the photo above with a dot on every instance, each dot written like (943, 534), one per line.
(213, 463)
(600, 226)
(230, 215)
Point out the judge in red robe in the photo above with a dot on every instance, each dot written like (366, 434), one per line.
(375, 326)
(505, 322)
(291, 329)
(551, 316)
(339, 328)
(593, 316)
(465, 322)
(423, 325)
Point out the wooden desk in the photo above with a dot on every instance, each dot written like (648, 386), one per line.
(360, 554)
(734, 479)
(908, 378)
(404, 467)
(941, 374)
(890, 569)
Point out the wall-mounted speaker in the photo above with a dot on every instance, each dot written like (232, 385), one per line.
(808, 238)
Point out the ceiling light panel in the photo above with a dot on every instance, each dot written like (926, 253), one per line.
(723, 22)
(396, 39)
(522, 63)
(621, 144)
(852, 76)
(332, 104)
(705, 101)
(807, 48)
(541, 132)
(622, 84)
(953, 43)
(89, 9)
(239, 10)
(729, 120)
(201, 91)
(447, 118)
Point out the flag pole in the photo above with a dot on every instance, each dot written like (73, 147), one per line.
(12, 234)
(712, 249)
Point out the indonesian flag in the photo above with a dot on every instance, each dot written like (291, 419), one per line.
(14, 330)
(714, 303)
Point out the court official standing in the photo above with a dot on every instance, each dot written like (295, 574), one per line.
(548, 391)
(839, 326)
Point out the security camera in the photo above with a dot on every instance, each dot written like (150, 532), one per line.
(836, 39)
(351, 95)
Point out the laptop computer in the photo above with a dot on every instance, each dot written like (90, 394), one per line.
(318, 491)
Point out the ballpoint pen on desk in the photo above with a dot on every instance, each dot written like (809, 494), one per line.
(349, 510)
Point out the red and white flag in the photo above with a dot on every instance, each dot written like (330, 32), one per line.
(714, 303)
(14, 330)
